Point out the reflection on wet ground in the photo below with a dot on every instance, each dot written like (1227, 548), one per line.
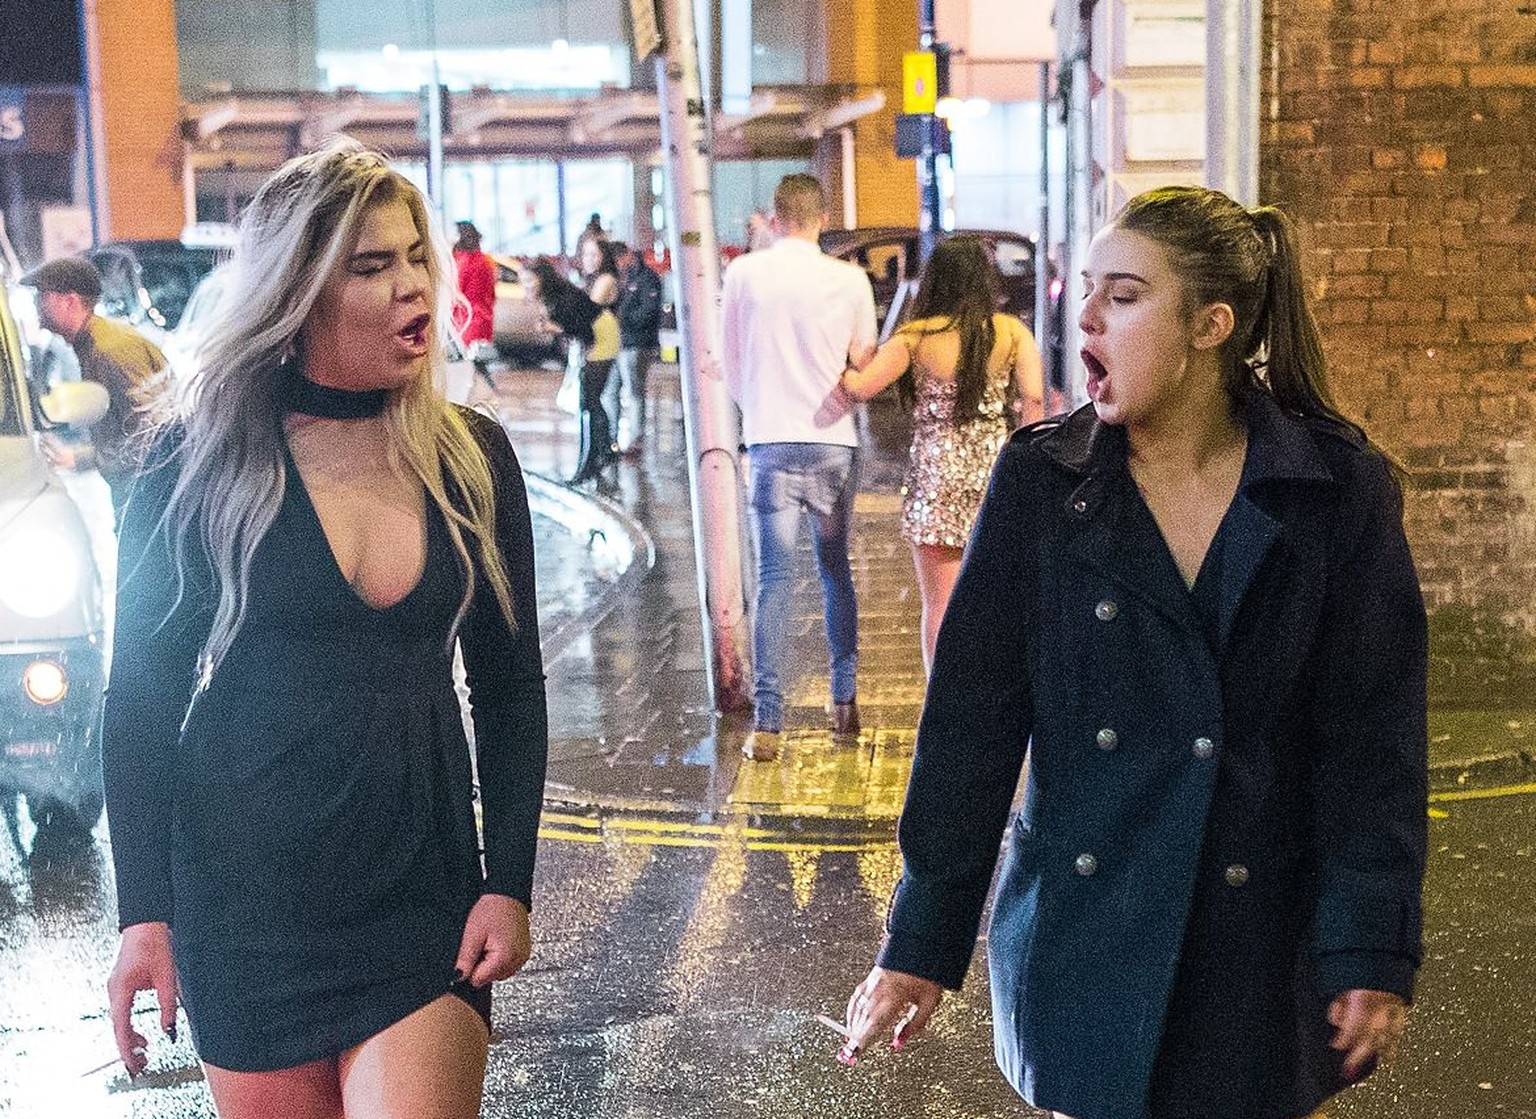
(693, 913)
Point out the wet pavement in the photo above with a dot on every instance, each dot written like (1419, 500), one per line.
(694, 912)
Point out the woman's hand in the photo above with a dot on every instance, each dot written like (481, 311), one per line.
(496, 942)
(837, 404)
(1367, 1025)
(143, 964)
(889, 1002)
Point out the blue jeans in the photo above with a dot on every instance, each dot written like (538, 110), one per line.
(788, 479)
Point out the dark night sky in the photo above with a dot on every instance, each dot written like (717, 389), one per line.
(39, 42)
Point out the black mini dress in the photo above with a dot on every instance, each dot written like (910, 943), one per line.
(307, 829)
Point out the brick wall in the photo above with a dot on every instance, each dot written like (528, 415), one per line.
(1401, 134)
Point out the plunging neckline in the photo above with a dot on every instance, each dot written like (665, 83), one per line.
(302, 490)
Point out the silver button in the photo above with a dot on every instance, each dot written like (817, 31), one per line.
(1236, 875)
(1079, 506)
(1106, 610)
(1108, 739)
(1085, 864)
(1204, 747)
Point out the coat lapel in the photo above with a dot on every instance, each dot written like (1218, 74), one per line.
(1119, 537)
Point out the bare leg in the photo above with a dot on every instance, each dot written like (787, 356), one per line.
(428, 1065)
(937, 568)
(309, 1091)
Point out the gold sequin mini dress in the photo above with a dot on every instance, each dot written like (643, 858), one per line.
(950, 463)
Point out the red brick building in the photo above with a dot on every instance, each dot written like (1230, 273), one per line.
(1401, 134)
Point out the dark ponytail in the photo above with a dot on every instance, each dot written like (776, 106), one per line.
(1285, 348)
(1247, 259)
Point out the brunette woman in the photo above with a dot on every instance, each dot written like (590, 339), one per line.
(1190, 608)
(958, 358)
(593, 331)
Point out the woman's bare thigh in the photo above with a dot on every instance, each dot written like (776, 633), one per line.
(428, 1065)
(307, 1091)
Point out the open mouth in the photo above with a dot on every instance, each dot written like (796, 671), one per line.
(414, 333)
(1096, 373)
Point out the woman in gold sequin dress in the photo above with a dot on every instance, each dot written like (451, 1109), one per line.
(957, 359)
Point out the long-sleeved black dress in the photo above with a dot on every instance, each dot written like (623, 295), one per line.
(309, 833)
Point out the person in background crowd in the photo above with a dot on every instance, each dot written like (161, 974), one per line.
(1191, 608)
(792, 318)
(760, 230)
(593, 231)
(114, 355)
(957, 359)
(593, 332)
(600, 276)
(476, 273)
(639, 314)
(315, 532)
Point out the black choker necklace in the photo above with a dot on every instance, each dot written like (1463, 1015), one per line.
(304, 395)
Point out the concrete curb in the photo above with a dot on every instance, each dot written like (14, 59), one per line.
(622, 550)
(1501, 768)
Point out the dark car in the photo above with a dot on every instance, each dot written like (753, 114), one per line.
(148, 283)
(889, 254)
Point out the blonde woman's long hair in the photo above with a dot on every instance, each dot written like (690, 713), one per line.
(231, 464)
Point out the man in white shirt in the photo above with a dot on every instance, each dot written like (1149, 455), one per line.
(792, 319)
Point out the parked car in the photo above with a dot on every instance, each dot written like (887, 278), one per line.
(149, 283)
(52, 616)
(889, 254)
(518, 326)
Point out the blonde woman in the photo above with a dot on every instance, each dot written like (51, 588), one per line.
(317, 529)
(958, 358)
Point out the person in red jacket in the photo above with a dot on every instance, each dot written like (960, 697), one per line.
(477, 283)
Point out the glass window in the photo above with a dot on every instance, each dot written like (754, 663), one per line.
(784, 35)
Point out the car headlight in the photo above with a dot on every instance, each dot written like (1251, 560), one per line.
(39, 572)
(45, 682)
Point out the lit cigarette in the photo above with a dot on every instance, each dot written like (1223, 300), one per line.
(100, 1068)
(835, 1027)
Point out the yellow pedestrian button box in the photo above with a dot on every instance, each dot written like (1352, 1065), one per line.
(920, 82)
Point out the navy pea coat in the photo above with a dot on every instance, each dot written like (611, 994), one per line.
(1224, 819)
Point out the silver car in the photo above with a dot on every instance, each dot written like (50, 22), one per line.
(52, 648)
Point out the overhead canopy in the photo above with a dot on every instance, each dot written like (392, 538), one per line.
(261, 130)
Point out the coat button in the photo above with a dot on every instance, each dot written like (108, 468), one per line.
(1236, 875)
(1108, 739)
(1106, 610)
(1079, 506)
(1085, 864)
(1204, 747)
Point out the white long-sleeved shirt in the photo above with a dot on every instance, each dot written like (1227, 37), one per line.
(790, 319)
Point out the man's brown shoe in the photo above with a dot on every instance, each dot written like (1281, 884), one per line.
(845, 718)
(761, 746)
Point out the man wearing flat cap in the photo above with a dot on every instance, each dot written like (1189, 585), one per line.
(112, 354)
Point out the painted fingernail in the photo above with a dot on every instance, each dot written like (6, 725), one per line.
(897, 1043)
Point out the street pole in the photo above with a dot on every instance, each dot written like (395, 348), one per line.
(1043, 271)
(929, 206)
(435, 190)
(708, 414)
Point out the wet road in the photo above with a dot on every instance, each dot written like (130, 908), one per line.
(677, 969)
(680, 957)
